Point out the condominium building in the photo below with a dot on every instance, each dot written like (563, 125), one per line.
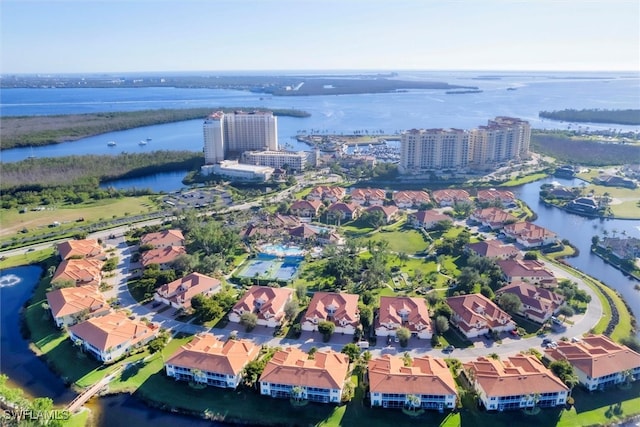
(502, 140)
(229, 133)
(294, 160)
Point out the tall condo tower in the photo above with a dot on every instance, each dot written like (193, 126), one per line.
(214, 147)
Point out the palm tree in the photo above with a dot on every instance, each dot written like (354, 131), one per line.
(571, 380)
(413, 402)
(297, 393)
(198, 375)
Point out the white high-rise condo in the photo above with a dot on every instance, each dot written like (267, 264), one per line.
(228, 134)
(502, 140)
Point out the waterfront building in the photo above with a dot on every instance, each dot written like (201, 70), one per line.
(163, 239)
(71, 305)
(79, 271)
(293, 374)
(408, 312)
(178, 293)
(392, 384)
(476, 315)
(293, 160)
(450, 196)
(507, 198)
(266, 302)
(529, 234)
(502, 140)
(538, 304)
(112, 336)
(234, 171)
(208, 360)
(493, 249)
(85, 248)
(339, 308)
(494, 218)
(517, 382)
(229, 134)
(598, 361)
(526, 270)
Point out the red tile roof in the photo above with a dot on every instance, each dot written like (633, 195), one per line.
(303, 205)
(494, 249)
(112, 330)
(528, 231)
(416, 198)
(430, 216)
(291, 366)
(368, 194)
(208, 353)
(493, 217)
(394, 309)
(265, 301)
(515, 268)
(87, 248)
(344, 307)
(84, 270)
(493, 194)
(426, 375)
(518, 375)
(163, 238)
(540, 299)
(474, 308)
(450, 195)
(68, 301)
(596, 355)
(181, 291)
(162, 255)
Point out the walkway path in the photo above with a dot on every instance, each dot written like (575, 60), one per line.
(83, 397)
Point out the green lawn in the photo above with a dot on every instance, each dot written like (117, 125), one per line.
(27, 258)
(524, 179)
(408, 241)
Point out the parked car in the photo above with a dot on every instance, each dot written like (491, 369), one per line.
(449, 348)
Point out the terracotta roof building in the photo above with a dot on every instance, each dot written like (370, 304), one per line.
(162, 256)
(427, 219)
(305, 208)
(70, 305)
(291, 373)
(526, 270)
(339, 308)
(410, 199)
(538, 304)
(178, 293)
(515, 383)
(267, 303)
(162, 239)
(368, 196)
(598, 361)
(388, 212)
(529, 235)
(494, 218)
(83, 271)
(331, 194)
(344, 211)
(111, 336)
(491, 195)
(86, 248)
(449, 197)
(493, 249)
(428, 378)
(411, 313)
(475, 315)
(208, 360)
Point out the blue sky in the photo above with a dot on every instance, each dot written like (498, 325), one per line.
(66, 36)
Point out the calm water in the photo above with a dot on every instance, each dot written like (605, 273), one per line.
(159, 182)
(390, 112)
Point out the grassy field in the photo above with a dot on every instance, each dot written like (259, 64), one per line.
(27, 258)
(524, 179)
(408, 241)
(37, 222)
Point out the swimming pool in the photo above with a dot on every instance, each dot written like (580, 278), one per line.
(282, 250)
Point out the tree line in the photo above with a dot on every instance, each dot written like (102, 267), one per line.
(594, 115)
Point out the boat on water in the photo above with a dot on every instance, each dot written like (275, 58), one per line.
(148, 139)
(111, 143)
(142, 142)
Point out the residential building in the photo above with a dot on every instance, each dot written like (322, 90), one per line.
(494, 249)
(72, 305)
(621, 247)
(507, 198)
(339, 308)
(427, 378)
(389, 213)
(427, 219)
(267, 303)
(368, 196)
(598, 362)
(584, 205)
(234, 171)
(163, 239)
(529, 234)
(85, 248)
(450, 196)
(292, 160)
(425, 150)
(164, 257)
(517, 382)
(502, 140)
(227, 134)
(476, 315)
(538, 304)
(343, 211)
(324, 193)
(178, 293)
(408, 312)
(292, 373)
(526, 270)
(208, 360)
(306, 208)
(112, 336)
(410, 199)
(81, 271)
(494, 218)
(303, 233)
(615, 181)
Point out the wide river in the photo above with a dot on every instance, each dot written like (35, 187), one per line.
(331, 114)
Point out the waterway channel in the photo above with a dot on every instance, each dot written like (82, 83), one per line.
(27, 371)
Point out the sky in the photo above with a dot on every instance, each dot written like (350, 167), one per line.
(88, 36)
